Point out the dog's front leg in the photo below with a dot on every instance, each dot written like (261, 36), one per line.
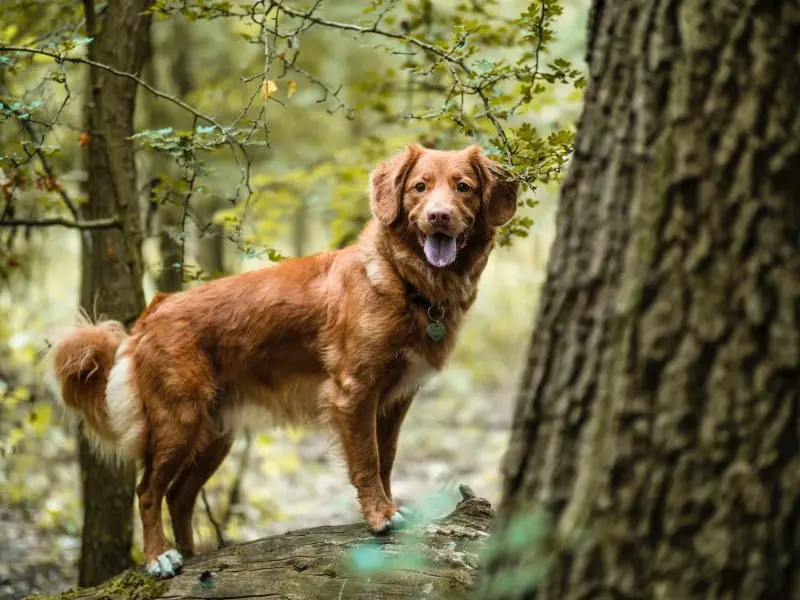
(354, 415)
(390, 419)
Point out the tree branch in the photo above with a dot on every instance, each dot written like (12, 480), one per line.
(109, 223)
(59, 58)
(374, 30)
(47, 168)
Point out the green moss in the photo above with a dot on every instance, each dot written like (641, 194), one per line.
(135, 585)
(67, 595)
(132, 585)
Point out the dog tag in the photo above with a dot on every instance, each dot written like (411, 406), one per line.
(436, 331)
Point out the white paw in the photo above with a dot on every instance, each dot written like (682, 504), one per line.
(166, 565)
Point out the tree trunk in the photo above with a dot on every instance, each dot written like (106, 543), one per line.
(112, 266)
(435, 562)
(170, 213)
(658, 422)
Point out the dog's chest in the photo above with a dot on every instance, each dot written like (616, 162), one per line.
(415, 372)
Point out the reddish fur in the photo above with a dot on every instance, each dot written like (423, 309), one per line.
(342, 320)
(82, 363)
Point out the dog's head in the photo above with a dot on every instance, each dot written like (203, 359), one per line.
(442, 198)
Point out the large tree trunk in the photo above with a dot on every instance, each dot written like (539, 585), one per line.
(112, 267)
(658, 421)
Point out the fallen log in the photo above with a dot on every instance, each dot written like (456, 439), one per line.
(430, 561)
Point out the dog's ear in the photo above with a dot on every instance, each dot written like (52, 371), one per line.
(499, 191)
(387, 182)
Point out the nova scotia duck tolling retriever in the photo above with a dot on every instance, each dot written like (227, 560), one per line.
(344, 337)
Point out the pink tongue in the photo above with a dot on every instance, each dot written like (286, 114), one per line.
(440, 249)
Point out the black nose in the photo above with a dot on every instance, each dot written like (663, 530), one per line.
(438, 216)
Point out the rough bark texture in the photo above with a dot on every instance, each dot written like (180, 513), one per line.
(316, 564)
(658, 420)
(112, 268)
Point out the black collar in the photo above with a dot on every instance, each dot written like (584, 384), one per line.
(418, 298)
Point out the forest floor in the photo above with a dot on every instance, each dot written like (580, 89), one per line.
(291, 484)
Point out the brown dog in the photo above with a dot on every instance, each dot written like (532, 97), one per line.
(346, 336)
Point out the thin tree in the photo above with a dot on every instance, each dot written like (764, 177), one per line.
(656, 445)
(111, 282)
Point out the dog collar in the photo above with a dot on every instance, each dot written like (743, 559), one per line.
(435, 311)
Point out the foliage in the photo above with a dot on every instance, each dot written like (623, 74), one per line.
(482, 70)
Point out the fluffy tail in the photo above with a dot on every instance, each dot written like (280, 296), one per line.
(93, 372)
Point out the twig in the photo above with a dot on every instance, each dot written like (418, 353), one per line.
(47, 168)
(373, 30)
(526, 96)
(221, 542)
(498, 127)
(268, 51)
(236, 488)
(327, 90)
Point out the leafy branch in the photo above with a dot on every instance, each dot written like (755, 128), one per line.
(61, 58)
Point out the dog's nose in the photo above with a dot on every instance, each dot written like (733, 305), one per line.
(438, 217)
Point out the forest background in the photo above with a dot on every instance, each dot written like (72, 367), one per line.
(309, 101)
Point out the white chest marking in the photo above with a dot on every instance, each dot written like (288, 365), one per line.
(418, 372)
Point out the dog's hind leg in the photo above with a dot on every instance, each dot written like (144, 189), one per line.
(183, 492)
(177, 431)
(178, 382)
(161, 467)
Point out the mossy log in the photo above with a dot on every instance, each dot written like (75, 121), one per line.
(437, 560)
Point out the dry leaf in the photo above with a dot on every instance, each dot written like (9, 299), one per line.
(268, 89)
(291, 87)
(83, 139)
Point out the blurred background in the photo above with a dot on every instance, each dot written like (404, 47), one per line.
(346, 102)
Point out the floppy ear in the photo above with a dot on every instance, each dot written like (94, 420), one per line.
(499, 191)
(387, 182)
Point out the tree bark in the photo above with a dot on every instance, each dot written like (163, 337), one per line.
(210, 245)
(658, 422)
(170, 213)
(318, 564)
(112, 267)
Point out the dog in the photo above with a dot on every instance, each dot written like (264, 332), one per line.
(345, 337)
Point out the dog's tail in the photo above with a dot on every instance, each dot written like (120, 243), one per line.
(92, 366)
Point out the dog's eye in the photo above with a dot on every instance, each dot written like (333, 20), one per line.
(420, 187)
(463, 187)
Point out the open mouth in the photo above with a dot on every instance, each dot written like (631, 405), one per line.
(440, 249)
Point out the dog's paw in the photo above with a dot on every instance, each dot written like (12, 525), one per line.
(165, 565)
(399, 519)
(381, 526)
